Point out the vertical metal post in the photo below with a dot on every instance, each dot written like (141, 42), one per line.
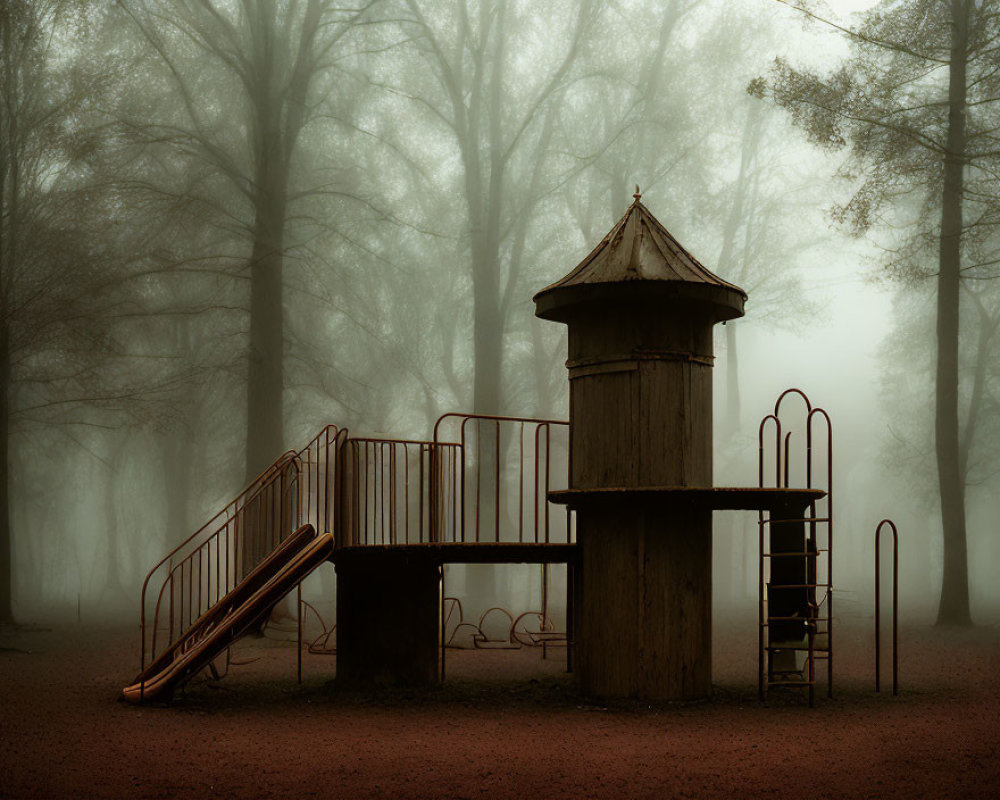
(545, 603)
(298, 606)
(570, 613)
(520, 484)
(444, 632)
(895, 604)
(812, 668)
(496, 488)
(829, 550)
(761, 600)
(895, 615)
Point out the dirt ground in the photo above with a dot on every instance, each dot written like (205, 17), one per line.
(505, 724)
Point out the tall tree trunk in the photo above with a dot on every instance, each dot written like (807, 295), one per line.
(6, 540)
(732, 382)
(488, 334)
(485, 219)
(727, 549)
(279, 110)
(481, 579)
(265, 383)
(266, 372)
(727, 266)
(112, 586)
(8, 220)
(954, 606)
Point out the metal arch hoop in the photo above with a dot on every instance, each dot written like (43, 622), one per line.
(895, 600)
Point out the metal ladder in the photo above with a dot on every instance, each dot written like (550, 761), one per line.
(795, 574)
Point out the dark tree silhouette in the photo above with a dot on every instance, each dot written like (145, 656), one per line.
(266, 57)
(496, 116)
(60, 270)
(918, 104)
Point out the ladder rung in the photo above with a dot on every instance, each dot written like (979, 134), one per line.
(813, 620)
(815, 633)
(820, 643)
(797, 585)
(812, 636)
(790, 619)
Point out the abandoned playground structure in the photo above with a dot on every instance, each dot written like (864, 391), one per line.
(621, 494)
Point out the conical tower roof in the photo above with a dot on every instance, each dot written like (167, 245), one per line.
(639, 257)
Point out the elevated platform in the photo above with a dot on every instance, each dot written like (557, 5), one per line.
(715, 498)
(462, 552)
(388, 603)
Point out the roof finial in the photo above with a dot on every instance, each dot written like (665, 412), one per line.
(637, 194)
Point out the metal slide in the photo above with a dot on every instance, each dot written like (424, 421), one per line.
(234, 615)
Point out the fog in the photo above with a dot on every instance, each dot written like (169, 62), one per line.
(223, 231)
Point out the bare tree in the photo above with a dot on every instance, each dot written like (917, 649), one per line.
(60, 270)
(267, 57)
(493, 108)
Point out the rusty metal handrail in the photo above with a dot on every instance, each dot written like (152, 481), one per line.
(321, 482)
(895, 602)
(381, 488)
(210, 530)
(538, 455)
(226, 511)
(204, 554)
(493, 417)
(226, 531)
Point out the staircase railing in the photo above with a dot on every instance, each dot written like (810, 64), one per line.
(481, 479)
(297, 488)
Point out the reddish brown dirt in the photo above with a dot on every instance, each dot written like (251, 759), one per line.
(62, 733)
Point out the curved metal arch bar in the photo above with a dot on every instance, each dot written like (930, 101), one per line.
(895, 599)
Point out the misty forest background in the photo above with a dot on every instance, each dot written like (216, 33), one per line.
(226, 223)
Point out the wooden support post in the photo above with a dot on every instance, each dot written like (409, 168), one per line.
(646, 617)
(387, 618)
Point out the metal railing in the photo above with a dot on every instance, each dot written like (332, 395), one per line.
(297, 488)
(895, 604)
(319, 464)
(496, 485)
(390, 494)
(482, 479)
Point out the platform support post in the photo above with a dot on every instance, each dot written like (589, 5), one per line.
(387, 618)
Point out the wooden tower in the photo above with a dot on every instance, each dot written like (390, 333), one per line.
(640, 311)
